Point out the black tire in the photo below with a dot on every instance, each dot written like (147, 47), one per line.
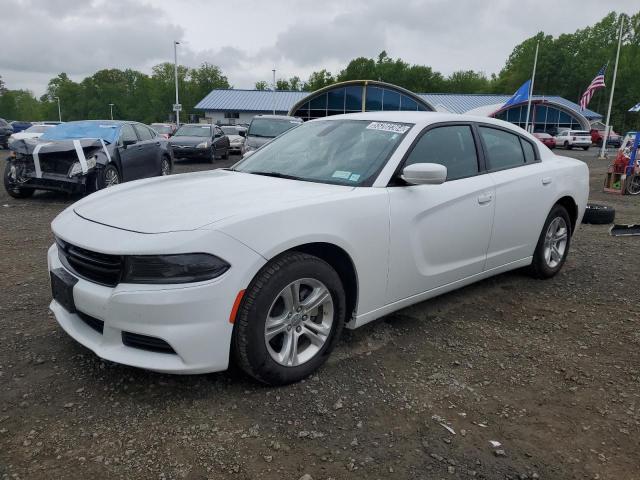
(599, 214)
(212, 157)
(585, 148)
(165, 163)
(249, 346)
(11, 188)
(540, 267)
(567, 145)
(226, 154)
(105, 176)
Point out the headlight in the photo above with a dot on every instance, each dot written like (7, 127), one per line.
(203, 145)
(181, 268)
(76, 168)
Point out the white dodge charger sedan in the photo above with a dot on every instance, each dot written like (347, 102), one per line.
(335, 223)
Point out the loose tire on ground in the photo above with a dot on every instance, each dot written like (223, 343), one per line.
(599, 214)
(250, 350)
(11, 188)
(546, 264)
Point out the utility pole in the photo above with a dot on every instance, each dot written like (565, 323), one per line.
(111, 110)
(607, 128)
(59, 111)
(533, 79)
(273, 92)
(177, 106)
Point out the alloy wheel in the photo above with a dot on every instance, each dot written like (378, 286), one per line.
(633, 185)
(555, 242)
(166, 167)
(299, 322)
(111, 177)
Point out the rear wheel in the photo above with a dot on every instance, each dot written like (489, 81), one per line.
(12, 183)
(165, 166)
(585, 148)
(289, 320)
(553, 244)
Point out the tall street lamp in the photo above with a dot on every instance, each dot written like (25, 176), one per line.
(273, 91)
(59, 111)
(177, 106)
(111, 110)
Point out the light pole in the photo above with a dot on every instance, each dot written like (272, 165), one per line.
(273, 93)
(111, 110)
(176, 107)
(59, 111)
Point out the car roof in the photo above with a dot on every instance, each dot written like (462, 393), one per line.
(279, 117)
(421, 119)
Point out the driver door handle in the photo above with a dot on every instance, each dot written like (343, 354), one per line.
(485, 198)
(547, 180)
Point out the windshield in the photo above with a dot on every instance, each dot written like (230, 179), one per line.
(37, 129)
(345, 152)
(230, 130)
(77, 130)
(270, 127)
(161, 128)
(193, 131)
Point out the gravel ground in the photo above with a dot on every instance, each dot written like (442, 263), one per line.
(550, 369)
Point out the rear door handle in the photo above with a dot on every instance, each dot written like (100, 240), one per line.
(547, 180)
(484, 198)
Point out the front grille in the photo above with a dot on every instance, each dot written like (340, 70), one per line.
(93, 266)
(52, 165)
(144, 342)
(94, 323)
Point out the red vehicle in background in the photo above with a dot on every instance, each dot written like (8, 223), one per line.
(614, 139)
(165, 130)
(545, 138)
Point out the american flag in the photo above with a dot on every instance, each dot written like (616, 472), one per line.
(596, 84)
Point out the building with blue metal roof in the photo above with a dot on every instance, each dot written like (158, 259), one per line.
(548, 113)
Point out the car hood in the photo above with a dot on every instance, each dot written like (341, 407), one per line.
(194, 200)
(184, 140)
(234, 138)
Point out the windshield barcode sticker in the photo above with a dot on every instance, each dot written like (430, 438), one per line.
(388, 127)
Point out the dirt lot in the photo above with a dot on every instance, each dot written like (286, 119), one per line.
(550, 369)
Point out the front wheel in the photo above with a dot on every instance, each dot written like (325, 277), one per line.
(585, 148)
(289, 320)
(553, 244)
(633, 185)
(12, 183)
(109, 176)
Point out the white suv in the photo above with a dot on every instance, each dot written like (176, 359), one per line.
(574, 138)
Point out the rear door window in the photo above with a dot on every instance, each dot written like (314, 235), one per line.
(529, 152)
(503, 149)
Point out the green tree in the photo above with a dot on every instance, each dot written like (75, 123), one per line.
(318, 80)
(262, 85)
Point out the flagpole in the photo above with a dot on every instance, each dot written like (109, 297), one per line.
(607, 128)
(533, 79)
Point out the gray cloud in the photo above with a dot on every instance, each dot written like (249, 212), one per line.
(249, 38)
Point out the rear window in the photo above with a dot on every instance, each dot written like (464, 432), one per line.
(271, 127)
(580, 133)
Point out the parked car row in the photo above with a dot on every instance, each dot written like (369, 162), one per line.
(569, 139)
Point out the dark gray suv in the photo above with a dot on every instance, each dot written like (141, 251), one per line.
(6, 131)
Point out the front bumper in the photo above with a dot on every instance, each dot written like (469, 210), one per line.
(193, 319)
(59, 183)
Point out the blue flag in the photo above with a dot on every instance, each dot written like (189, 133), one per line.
(521, 95)
(635, 108)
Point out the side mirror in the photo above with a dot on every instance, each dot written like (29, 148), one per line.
(126, 143)
(424, 174)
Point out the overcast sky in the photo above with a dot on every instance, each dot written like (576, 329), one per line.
(247, 38)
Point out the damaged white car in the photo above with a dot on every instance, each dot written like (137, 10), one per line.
(335, 223)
